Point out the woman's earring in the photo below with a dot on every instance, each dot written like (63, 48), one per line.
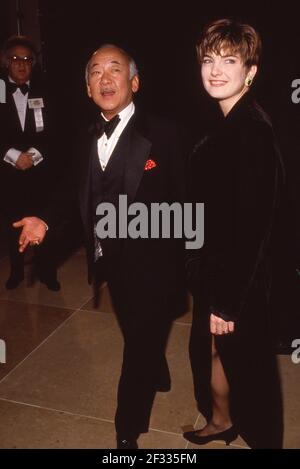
(248, 81)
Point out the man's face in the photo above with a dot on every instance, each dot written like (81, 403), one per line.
(109, 82)
(20, 63)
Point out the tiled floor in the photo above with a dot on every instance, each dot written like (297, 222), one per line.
(63, 357)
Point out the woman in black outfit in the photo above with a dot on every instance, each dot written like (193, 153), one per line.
(236, 171)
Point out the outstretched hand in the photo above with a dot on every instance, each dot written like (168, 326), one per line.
(33, 231)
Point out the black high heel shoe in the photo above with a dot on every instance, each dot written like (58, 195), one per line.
(227, 435)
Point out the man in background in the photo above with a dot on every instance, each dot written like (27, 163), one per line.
(25, 157)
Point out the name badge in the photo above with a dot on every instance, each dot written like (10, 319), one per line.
(35, 103)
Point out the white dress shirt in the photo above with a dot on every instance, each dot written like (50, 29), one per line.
(106, 146)
(13, 154)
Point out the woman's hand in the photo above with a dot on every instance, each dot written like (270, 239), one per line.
(219, 327)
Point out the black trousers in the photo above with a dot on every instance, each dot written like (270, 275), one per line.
(144, 369)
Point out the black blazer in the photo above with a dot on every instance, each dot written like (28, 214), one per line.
(237, 172)
(23, 192)
(152, 267)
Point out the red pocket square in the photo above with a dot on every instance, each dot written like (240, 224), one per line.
(150, 164)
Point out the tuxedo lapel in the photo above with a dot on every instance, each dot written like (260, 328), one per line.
(29, 119)
(14, 113)
(134, 149)
(138, 151)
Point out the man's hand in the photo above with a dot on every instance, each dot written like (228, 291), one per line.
(25, 161)
(219, 327)
(33, 231)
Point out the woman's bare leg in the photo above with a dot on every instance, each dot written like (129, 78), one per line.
(221, 419)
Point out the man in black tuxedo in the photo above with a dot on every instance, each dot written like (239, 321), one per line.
(141, 157)
(24, 156)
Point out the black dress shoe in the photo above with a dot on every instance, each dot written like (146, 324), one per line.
(227, 435)
(14, 281)
(123, 443)
(51, 284)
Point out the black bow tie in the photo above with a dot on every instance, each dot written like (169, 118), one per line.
(107, 127)
(14, 86)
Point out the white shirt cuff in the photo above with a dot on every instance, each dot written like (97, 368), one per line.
(37, 157)
(12, 156)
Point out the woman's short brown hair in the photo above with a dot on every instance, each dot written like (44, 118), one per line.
(233, 37)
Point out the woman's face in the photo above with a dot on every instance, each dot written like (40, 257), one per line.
(224, 77)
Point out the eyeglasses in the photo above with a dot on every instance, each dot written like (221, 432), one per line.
(15, 59)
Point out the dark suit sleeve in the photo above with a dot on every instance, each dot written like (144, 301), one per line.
(196, 259)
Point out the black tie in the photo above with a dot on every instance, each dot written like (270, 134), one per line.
(107, 127)
(14, 86)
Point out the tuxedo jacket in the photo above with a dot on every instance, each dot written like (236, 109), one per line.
(23, 192)
(148, 271)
